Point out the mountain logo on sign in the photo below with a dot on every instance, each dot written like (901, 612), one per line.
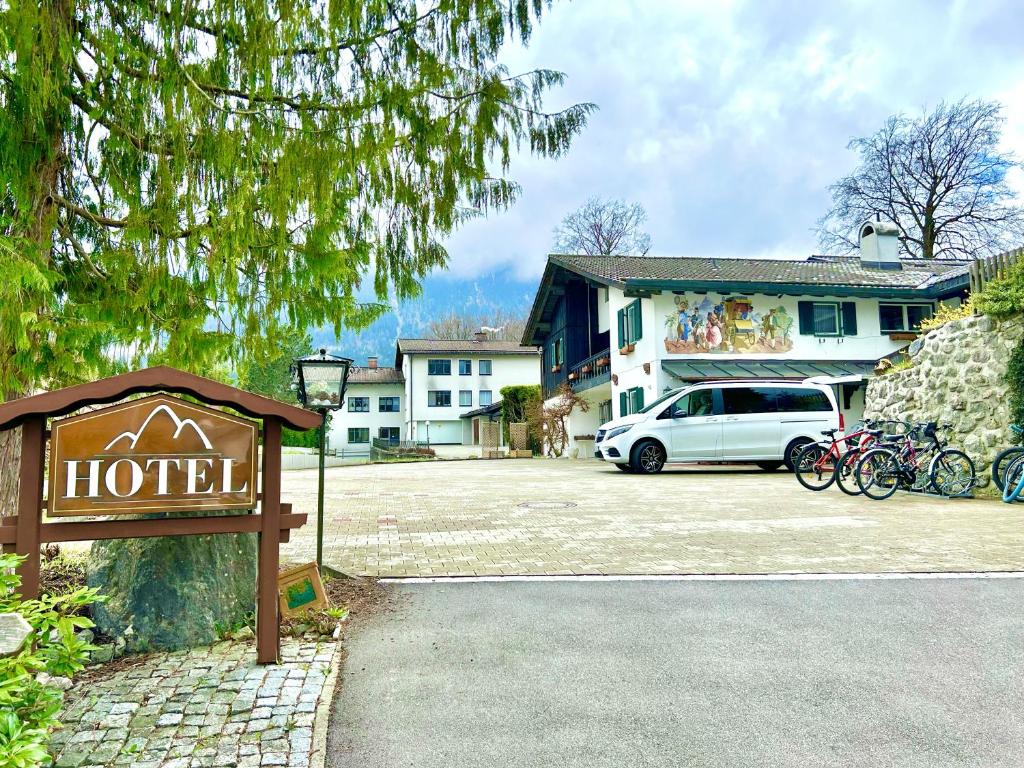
(179, 423)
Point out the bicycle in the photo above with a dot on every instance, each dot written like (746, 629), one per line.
(900, 464)
(815, 464)
(1002, 461)
(1014, 480)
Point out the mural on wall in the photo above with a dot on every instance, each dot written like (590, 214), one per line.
(729, 324)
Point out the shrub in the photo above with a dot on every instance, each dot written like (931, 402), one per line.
(1015, 378)
(29, 700)
(947, 314)
(1004, 296)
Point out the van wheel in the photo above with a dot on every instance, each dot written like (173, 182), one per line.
(769, 466)
(648, 458)
(793, 449)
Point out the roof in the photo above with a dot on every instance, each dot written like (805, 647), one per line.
(379, 375)
(459, 347)
(487, 410)
(161, 378)
(846, 271)
(812, 276)
(710, 370)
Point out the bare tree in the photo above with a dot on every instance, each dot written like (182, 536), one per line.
(940, 178)
(500, 326)
(604, 228)
(548, 423)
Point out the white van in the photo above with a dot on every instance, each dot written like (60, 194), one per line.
(761, 422)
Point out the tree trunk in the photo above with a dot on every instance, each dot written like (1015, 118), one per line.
(10, 466)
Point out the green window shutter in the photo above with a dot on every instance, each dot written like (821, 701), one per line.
(805, 316)
(623, 404)
(849, 319)
(638, 328)
(622, 328)
(639, 398)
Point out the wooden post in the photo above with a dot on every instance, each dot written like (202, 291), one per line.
(30, 503)
(267, 624)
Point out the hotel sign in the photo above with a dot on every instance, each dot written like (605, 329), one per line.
(156, 454)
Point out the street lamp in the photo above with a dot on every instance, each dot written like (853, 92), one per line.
(319, 381)
(428, 432)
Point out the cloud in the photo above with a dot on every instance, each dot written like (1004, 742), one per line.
(728, 121)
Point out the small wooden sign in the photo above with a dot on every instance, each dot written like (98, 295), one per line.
(13, 631)
(157, 454)
(301, 589)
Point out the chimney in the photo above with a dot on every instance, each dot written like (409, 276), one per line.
(480, 336)
(371, 362)
(879, 245)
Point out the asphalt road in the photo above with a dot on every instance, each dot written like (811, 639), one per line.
(696, 674)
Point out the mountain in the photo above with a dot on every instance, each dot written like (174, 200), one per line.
(442, 295)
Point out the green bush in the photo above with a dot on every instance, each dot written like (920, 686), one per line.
(1003, 297)
(29, 703)
(517, 401)
(1015, 378)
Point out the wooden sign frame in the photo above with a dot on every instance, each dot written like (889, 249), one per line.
(25, 532)
(309, 573)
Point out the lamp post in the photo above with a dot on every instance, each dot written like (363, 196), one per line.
(320, 381)
(428, 432)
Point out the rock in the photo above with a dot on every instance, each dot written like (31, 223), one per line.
(168, 593)
(85, 635)
(244, 633)
(102, 654)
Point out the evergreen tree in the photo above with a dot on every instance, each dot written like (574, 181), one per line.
(180, 180)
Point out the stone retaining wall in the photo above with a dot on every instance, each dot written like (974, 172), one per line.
(958, 378)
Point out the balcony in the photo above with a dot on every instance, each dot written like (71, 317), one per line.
(593, 371)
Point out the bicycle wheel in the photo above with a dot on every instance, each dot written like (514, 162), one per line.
(1013, 476)
(846, 472)
(952, 473)
(815, 467)
(878, 474)
(1002, 462)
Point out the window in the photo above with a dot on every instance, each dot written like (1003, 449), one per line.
(485, 367)
(827, 318)
(359, 434)
(630, 324)
(793, 399)
(359, 405)
(465, 367)
(388, 404)
(635, 399)
(439, 367)
(893, 318)
(556, 351)
(465, 397)
(698, 403)
(439, 398)
(604, 411)
(742, 400)
(485, 397)
(391, 434)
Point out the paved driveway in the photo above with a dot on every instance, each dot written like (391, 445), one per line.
(915, 674)
(579, 517)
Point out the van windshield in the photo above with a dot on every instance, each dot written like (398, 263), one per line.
(661, 400)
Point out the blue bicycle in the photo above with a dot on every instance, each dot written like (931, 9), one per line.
(1004, 459)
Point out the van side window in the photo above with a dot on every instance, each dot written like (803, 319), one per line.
(741, 400)
(803, 400)
(700, 403)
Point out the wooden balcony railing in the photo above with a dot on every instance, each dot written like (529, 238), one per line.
(588, 373)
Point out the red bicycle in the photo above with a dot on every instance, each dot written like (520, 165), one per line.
(817, 466)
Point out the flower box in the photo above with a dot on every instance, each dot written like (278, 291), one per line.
(573, 376)
(556, 368)
(627, 349)
(585, 369)
(603, 362)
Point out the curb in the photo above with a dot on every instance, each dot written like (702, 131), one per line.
(318, 752)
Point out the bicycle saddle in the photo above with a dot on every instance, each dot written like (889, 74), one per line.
(829, 432)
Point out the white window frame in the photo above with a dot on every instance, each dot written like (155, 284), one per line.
(903, 311)
(838, 308)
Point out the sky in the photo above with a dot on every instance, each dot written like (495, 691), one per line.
(726, 120)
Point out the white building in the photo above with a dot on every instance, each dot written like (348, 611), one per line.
(623, 330)
(373, 407)
(448, 379)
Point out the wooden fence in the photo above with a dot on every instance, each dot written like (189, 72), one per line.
(988, 269)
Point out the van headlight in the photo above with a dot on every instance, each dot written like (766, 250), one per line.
(618, 431)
